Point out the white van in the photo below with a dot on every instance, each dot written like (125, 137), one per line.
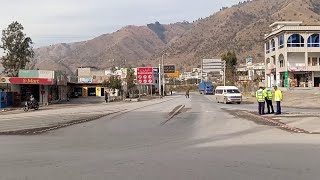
(228, 94)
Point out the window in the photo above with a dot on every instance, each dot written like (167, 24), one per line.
(313, 41)
(314, 61)
(273, 45)
(219, 91)
(267, 47)
(281, 41)
(233, 91)
(281, 63)
(309, 61)
(295, 40)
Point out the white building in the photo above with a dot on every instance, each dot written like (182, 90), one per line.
(292, 53)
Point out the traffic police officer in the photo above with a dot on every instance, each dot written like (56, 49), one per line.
(268, 97)
(261, 100)
(278, 99)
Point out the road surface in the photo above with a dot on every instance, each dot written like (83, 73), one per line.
(203, 142)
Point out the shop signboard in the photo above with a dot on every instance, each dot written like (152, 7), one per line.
(286, 79)
(4, 80)
(85, 80)
(174, 75)
(46, 74)
(36, 74)
(249, 61)
(43, 81)
(145, 75)
(28, 73)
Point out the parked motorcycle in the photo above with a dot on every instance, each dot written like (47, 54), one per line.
(31, 105)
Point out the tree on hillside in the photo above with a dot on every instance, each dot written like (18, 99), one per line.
(231, 61)
(17, 49)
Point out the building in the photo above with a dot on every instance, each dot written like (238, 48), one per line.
(39, 83)
(252, 72)
(292, 53)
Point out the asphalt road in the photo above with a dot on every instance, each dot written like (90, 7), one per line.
(202, 142)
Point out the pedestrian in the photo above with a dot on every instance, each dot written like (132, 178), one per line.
(278, 99)
(187, 94)
(106, 96)
(268, 97)
(260, 98)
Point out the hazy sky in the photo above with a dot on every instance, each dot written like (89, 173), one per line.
(55, 21)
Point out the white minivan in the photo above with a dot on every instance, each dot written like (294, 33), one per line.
(228, 94)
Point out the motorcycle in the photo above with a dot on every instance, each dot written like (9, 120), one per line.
(31, 105)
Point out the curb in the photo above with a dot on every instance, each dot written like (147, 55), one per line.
(280, 124)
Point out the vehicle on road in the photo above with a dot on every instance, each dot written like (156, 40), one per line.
(206, 88)
(31, 105)
(228, 94)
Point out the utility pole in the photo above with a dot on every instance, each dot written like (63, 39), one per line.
(163, 79)
(159, 81)
(224, 73)
(201, 70)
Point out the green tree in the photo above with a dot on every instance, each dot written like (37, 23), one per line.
(130, 80)
(17, 49)
(231, 61)
(115, 83)
(104, 83)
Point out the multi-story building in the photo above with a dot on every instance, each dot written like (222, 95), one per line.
(251, 72)
(292, 54)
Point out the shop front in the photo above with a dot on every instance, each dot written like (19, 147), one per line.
(23, 88)
(316, 78)
(86, 89)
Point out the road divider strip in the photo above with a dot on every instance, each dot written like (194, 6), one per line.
(174, 113)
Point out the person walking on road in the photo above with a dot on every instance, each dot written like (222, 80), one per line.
(106, 96)
(268, 97)
(278, 99)
(261, 100)
(187, 94)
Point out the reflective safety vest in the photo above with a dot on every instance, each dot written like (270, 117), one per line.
(260, 95)
(277, 95)
(267, 94)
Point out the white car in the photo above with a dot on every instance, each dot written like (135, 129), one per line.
(228, 94)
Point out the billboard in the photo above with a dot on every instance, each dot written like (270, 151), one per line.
(145, 76)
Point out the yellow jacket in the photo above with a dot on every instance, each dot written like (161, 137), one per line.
(277, 95)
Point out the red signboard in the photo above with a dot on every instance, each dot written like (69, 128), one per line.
(43, 81)
(145, 75)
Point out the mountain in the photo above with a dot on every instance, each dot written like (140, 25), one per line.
(129, 45)
(240, 28)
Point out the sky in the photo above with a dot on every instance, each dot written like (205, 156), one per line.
(62, 21)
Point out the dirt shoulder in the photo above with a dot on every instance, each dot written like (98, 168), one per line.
(296, 100)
